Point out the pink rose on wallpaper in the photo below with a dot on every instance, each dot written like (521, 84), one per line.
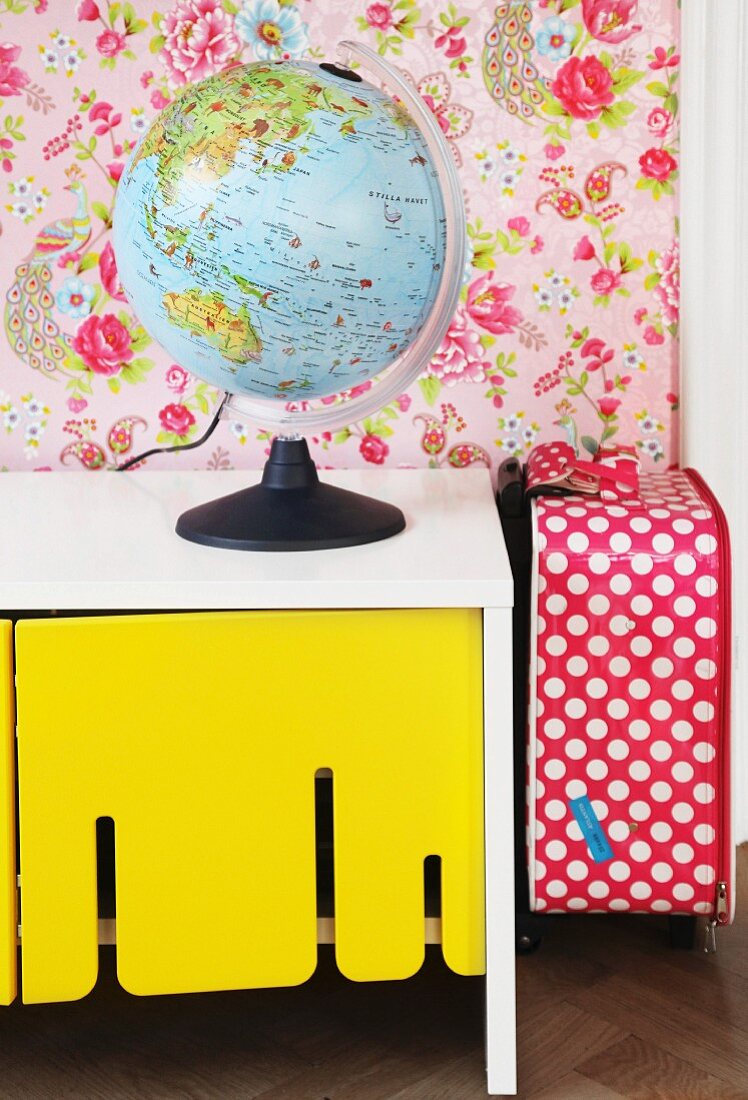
(108, 272)
(87, 11)
(487, 305)
(159, 100)
(652, 336)
(657, 164)
(380, 16)
(115, 168)
(583, 87)
(403, 402)
(585, 249)
(610, 20)
(461, 356)
(667, 290)
(12, 79)
(176, 418)
(608, 405)
(374, 449)
(605, 281)
(200, 40)
(519, 225)
(659, 121)
(103, 343)
(177, 378)
(77, 404)
(110, 43)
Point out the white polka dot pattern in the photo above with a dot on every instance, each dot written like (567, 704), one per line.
(630, 654)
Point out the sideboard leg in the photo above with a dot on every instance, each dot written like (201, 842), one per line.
(501, 1058)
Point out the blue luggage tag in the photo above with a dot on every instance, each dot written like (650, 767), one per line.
(592, 830)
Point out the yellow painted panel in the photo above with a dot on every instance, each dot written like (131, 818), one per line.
(8, 895)
(200, 736)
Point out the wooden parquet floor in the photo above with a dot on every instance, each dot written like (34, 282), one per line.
(606, 1010)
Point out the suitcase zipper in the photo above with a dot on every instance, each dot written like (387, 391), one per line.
(721, 914)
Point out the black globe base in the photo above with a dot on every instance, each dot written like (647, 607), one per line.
(291, 509)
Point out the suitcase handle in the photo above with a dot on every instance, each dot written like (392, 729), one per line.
(511, 488)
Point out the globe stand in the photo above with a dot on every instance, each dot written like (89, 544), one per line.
(290, 510)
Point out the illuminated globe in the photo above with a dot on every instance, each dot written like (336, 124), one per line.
(293, 234)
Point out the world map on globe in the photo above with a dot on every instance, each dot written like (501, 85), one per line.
(280, 230)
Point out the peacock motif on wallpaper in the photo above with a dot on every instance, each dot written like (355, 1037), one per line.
(29, 325)
(511, 76)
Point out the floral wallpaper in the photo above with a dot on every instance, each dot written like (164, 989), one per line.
(562, 116)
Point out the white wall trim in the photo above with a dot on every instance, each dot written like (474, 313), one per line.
(714, 362)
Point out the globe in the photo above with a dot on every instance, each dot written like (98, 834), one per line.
(292, 234)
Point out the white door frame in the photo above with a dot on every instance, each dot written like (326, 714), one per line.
(714, 233)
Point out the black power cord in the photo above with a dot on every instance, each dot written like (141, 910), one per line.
(180, 446)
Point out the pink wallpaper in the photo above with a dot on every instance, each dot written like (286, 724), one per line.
(563, 118)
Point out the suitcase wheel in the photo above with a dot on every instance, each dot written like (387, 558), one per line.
(682, 932)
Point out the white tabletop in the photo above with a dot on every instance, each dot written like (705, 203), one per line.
(106, 541)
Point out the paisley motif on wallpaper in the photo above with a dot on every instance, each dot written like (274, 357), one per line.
(563, 119)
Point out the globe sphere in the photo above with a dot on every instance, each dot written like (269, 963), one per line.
(280, 230)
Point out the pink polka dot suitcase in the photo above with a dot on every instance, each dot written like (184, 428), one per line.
(623, 645)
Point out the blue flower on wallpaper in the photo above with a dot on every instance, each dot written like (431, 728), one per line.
(272, 30)
(555, 39)
(74, 298)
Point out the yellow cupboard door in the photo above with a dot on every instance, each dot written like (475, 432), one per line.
(200, 735)
(8, 894)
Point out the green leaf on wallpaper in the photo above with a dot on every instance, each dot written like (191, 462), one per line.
(136, 370)
(114, 384)
(608, 433)
(230, 8)
(671, 104)
(628, 261)
(201, 403)
(623, 79)
(652, 281)
(606, 59)
(617, 114)
(383, 430)
(658, 88)
(553, 107)
(583, 379)
(430, 388)
(157, 43)
(590, 444)
(114, 10)
(139, 340)
(156, 19)
(88, 261)
(593, 129)
(101, 211)
(486, 340)
(342, 436)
